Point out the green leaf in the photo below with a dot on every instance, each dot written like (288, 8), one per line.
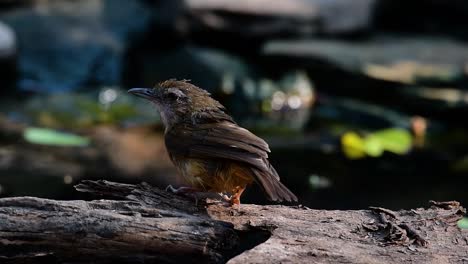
(373, 146)
(396, 140)
(51, 137)
(463, 223)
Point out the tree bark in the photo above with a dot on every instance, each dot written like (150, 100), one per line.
(143, 224)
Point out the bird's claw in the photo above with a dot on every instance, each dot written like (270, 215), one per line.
(196, 195)
(189, 192)
(181, 190)
(171, 189)
(224, 197)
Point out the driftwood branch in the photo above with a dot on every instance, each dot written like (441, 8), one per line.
(145, 224)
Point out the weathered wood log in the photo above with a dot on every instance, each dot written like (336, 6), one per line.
(149, 225)
(145, 224)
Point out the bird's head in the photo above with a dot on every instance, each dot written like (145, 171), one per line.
(177, 100)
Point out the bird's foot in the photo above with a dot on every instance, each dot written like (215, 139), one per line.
(235, 198)
(221, 198)
(192, 193)
(230, 200)
(225, 197)
(189, 192)
(235, 201)
(196, 195)
(181, 190)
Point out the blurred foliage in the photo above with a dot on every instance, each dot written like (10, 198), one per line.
(393, 140)
(51, 137)
(412, 72)
(461, 165)
(361, 114)
(272, 129)
(463, 223)
(319, 182)
(77, 111)
(283, 102)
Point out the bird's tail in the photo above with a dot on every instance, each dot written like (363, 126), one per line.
(271, 185)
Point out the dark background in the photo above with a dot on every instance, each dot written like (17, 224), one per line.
(319, 80)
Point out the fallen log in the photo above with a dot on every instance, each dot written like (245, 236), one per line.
(145, 224)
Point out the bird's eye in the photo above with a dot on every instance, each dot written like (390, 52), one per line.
(172, 96)
(175, 94)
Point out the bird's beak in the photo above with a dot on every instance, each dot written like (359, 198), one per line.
(147, 93)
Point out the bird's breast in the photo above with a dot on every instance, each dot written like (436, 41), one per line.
(214, 175)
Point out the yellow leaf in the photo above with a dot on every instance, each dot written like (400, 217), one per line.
(353, 145)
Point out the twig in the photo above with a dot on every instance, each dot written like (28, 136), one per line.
(398, 233)
(412, 233)
(383, 210)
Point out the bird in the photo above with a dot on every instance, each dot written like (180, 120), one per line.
(208, 148)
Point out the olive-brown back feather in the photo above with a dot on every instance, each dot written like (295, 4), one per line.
(227, 141)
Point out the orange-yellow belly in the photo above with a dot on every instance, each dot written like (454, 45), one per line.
(216, 176)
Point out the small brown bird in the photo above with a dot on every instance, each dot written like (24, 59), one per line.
(208, 148)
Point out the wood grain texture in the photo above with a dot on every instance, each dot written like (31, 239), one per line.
(147, 225)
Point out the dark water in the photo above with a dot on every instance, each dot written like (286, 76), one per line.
(391, 181)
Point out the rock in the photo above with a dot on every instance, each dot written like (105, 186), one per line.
(65, 45)
(8, 51)
(264, 18)
(409, 60)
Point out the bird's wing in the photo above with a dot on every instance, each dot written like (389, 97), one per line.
(225, 140)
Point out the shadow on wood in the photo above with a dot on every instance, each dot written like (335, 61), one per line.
(145, 224)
